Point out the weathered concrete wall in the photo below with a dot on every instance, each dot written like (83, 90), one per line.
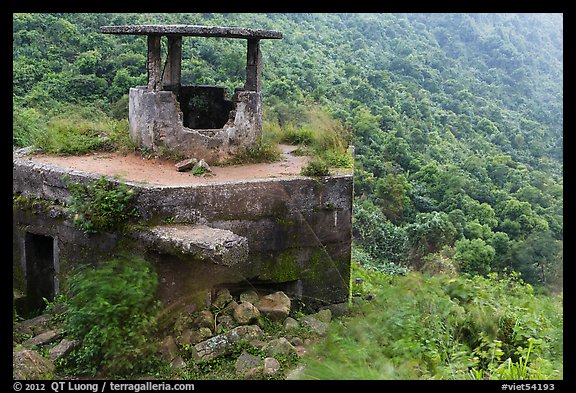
(156, 120)
(297, 231)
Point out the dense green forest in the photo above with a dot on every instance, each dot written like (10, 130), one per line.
(456, 119)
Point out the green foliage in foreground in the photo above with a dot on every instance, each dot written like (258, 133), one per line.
(419, 327)
(112, 311)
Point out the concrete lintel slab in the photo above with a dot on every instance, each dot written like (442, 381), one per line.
(192, 30)
(220, 246)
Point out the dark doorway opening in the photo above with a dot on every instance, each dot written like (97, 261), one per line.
(39, 251)
(204, 107)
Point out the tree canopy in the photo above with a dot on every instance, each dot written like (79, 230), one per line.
(456, 119)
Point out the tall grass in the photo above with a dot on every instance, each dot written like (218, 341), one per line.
(72, 130)
(419, 327)
(317, 133)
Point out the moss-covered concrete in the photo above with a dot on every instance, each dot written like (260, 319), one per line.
(297, 229)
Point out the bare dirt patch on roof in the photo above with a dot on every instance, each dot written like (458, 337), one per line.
(135, 168)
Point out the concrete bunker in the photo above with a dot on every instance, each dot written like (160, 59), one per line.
(272, 232)
(197, 121)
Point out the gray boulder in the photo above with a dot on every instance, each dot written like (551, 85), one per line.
(186, 165)
(249, 296)
(246, 362)
(223, 297)
(62, 349)
(279, 346)
(317, 327)
(205, 318)
(271, 367)
(194, 336)
(291, 324)
(324, 315)
(29, 364)
(43, 338)
(168, 349)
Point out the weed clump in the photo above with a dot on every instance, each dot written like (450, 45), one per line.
(316, 167)
(100, 205)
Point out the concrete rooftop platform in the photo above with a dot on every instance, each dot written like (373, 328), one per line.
(154, 171)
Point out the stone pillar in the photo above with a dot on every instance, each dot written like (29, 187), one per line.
(253, 66)
(173, 69)
(154, 62)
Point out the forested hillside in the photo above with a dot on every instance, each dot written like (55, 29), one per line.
(457, 124)
(456, 118)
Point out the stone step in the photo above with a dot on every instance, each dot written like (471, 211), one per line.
(219, 246)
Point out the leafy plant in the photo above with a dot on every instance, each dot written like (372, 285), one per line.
(317, 166)
(100, 205)
(112, 311)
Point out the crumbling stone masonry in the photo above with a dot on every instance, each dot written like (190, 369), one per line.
(196, 121)
(289, 233)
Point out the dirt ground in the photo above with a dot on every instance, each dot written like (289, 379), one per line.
(132, 167)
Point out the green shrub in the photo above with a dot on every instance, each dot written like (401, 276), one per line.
(316, 167)
(27, 126)
(112, 311)
(100, 205)
(339, 159)
(318, 133)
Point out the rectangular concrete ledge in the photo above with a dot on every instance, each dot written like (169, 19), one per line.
(220, 246)
(192, 31)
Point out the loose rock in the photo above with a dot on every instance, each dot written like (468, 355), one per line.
(34, 326)
(249, 296)
(338, 309)
(194, 336)
(178, 363)
(186, 165)
(225, 322)
(202, 165)
(317, 327)
(168, 348)
(276, 306)
(205, 318)
(271, 366)
(246, 362)
(324, 315)
(222, 344)
(223, 297)
(279, 346)
(245, 312)
(291, 324)
(29, 364)
(62, 349)
(43, 338)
